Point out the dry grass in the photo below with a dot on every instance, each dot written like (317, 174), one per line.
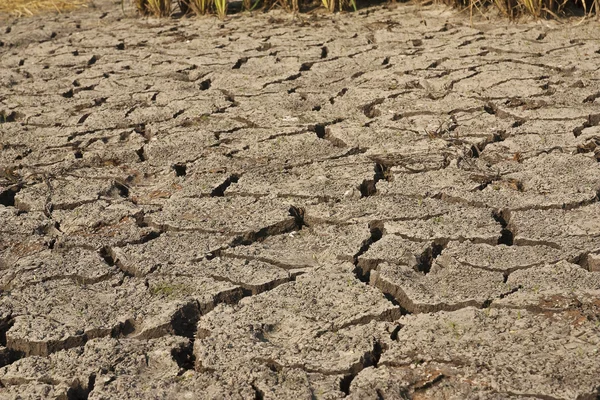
(158, 8)
(198, 7)
(514, 9)
(21, 8)
(162, 8)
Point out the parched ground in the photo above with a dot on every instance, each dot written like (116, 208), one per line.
(388, 204)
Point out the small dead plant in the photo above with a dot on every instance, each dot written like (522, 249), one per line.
(198, 7)
(157, 8)
(342, 5)
(329, 5)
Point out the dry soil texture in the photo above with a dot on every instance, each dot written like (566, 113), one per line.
(389, 204)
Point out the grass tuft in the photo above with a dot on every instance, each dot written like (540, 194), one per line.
(157, 8)
(198, 7)
(512, 9)
(221, 8)
(22, 8)
(518, 8)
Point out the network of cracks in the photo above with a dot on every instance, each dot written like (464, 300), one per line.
(388, 204)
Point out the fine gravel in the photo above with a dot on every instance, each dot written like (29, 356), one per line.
(387, 204)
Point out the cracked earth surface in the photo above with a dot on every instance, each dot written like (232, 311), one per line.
(387, 204)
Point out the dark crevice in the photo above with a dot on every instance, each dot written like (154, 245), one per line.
(141, 154)
(395, 302)
(370, 359)
(511, 291)
(279, 228)
(376, 354)
(377, 231)
(140, 220)
(436, 63)
(219, 191)
(506, 235)
(258, 394)
(323, 132)
(140, 129)
(369, 186)
(591, 98)
(298, 214)
(583, 260)
(111, 259)
(81, 392)
(13, 116)
(83, 118)
(240, 62)
(7, 196)
(205, 84)
(370, 110)
(382, 172)
(289, 78)
(345, 384)
(77, 392)
(394, 334)
(593, 120)
(320, 130)
(180, 169)
(230, 98)
(107, 256)
(119, 189)
(8, 356)
(306, 66)
(490, 108)
(429, 384)
(324, 52)
(213, 254)
(341, 93)
(149, 237)
(91, 383)
(428, 257)
(185, 320)
(496, 137)
(493, 109)
(589, 146)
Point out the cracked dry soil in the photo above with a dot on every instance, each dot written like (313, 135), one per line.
(388, 204)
